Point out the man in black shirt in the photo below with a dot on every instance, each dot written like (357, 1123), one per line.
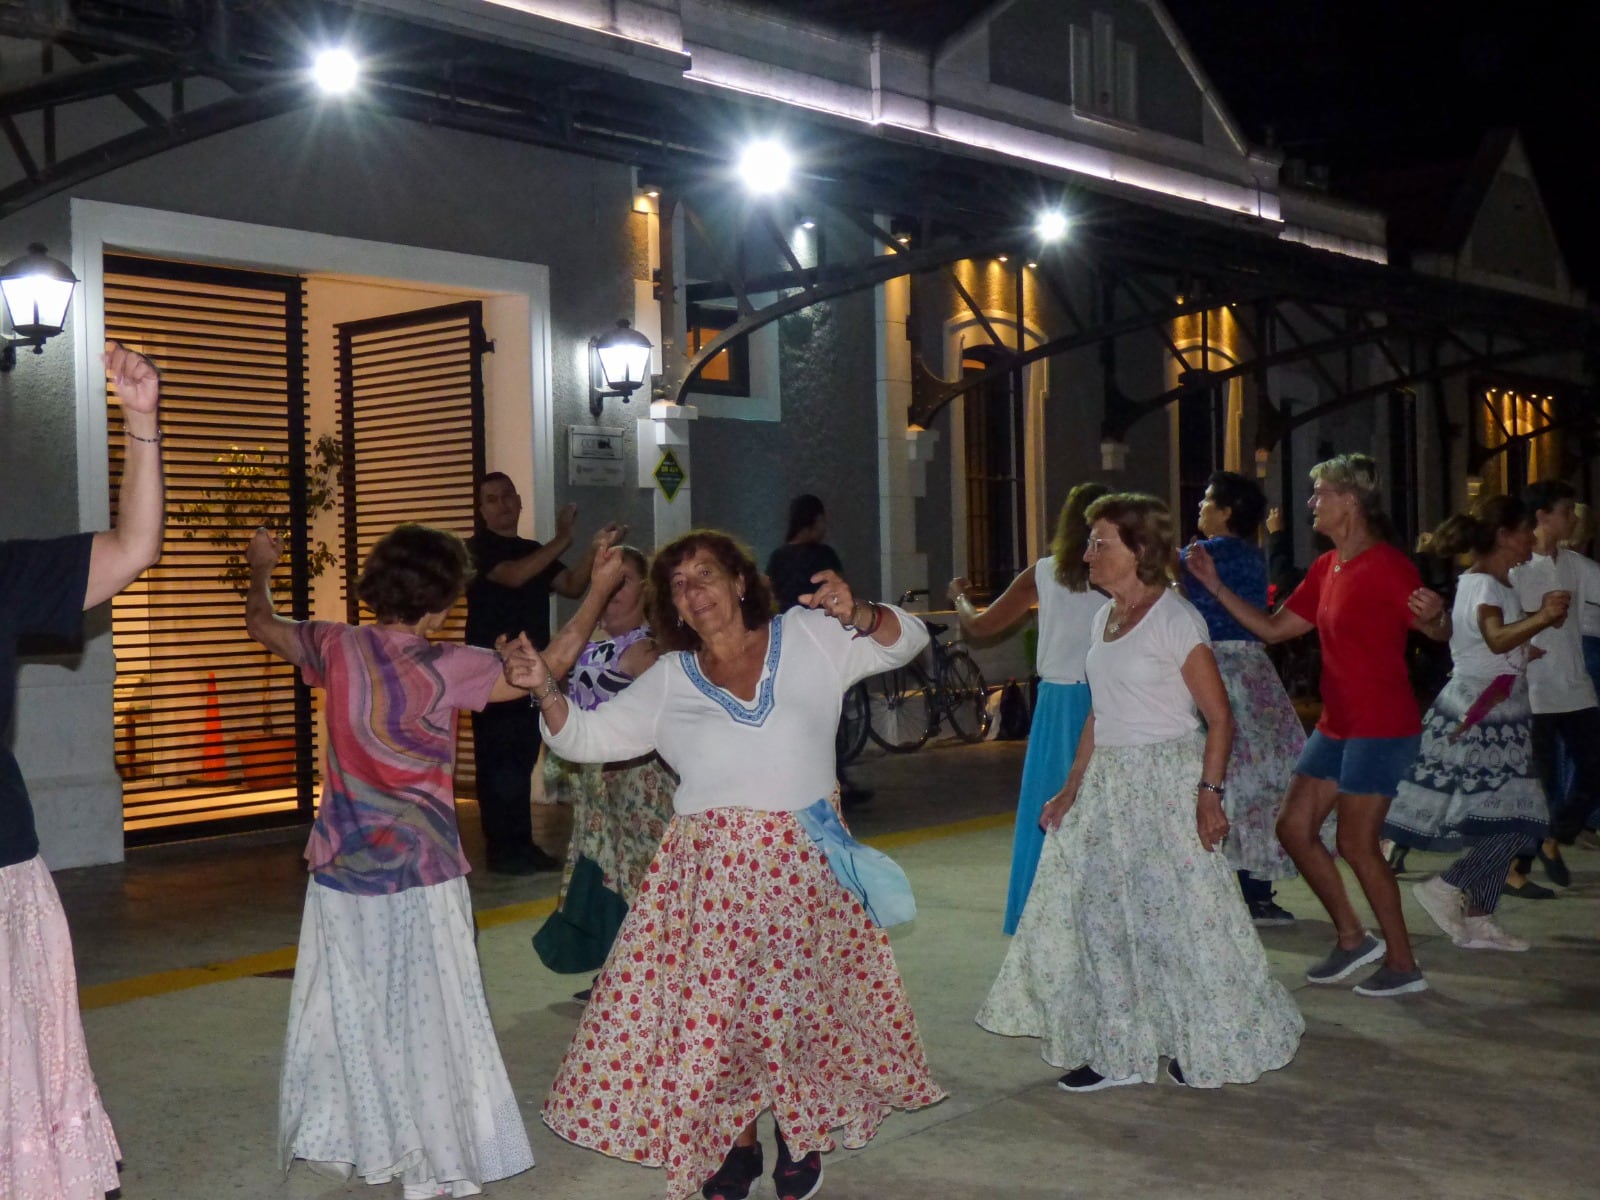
(510, 595)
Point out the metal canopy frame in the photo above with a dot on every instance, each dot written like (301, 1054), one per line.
(1146, 265)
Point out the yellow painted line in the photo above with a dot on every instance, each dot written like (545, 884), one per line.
(162, 983)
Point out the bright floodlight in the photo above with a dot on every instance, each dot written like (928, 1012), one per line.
(335, 70)
(1051, 225)
(765, 167)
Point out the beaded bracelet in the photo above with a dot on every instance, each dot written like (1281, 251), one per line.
(155, 441)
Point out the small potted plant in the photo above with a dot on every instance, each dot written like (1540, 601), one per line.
(252, 490)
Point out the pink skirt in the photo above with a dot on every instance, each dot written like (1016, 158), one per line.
(55, 1137)
(745, 977)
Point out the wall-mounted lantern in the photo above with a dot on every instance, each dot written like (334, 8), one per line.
(1113, 454)
(619, 364)
(37, 290)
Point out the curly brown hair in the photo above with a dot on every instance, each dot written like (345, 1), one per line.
(1144, 524)
(670, 631)
(414, 570)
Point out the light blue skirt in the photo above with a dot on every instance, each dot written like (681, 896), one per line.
(1058, 716)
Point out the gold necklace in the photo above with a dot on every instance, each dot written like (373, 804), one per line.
(1115, 623)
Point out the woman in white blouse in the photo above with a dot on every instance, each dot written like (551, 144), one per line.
(1151, 953)
(746, 976)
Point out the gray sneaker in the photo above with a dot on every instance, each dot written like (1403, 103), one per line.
(1342, 963)
(1386, 981)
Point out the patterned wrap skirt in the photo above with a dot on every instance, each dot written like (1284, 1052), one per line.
(391, 1069)
(1135, 943)
(1267, 740)
(55, 1137)
(1480, 785)
(745, 977)
(1058, 718)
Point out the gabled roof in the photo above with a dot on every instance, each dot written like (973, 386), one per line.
(1431, 206)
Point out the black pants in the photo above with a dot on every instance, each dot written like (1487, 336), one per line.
(506, 744)
(1579, 733)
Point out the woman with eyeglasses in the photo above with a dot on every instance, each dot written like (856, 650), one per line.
(1363, 598)
(1135, 946)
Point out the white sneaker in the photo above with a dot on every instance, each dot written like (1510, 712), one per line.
(1482, 933)
(1445, 904)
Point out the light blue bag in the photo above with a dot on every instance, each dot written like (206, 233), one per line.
(869, 875)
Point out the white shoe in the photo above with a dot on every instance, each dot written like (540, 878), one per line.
(1482, 933)
(1445, 904)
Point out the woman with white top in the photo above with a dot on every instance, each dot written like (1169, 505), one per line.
(1151, 953)
(1059, 585)
(1474, 780)
(746, 975)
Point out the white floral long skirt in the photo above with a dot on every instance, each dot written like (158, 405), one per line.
(391, 1069)
(1267, 741)
(1135, 943)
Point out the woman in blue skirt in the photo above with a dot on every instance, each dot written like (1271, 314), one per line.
(1059, 585)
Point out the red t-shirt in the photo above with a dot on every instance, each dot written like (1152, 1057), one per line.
(1362, 618)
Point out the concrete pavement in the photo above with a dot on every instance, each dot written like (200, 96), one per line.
(1484, 1087)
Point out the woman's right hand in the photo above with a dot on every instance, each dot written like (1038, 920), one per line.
(1553, 608)
(1198, 559)
(264, 549)
(1274, 520)
(958, 587)
(523, 666)
(1055, 811)
(607, 572)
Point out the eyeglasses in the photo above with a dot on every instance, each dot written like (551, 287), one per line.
(1095, 545)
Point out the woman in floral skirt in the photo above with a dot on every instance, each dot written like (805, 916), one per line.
(1267, 734)
(1474, 780)
(1135, 945)
(746, 975)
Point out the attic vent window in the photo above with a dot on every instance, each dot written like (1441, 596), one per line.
(1105, 71)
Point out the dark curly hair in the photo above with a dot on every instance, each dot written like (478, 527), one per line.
(1242, 497)
(414, 570)
(670, 631)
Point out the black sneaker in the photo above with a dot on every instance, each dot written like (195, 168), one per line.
(1527, 890)
(796, 1180)
(736, 1176)
(1175, 1073)
(1268, 912)
(1555, 868)
(1087, 1079)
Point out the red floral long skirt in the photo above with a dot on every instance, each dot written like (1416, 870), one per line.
(745, 977)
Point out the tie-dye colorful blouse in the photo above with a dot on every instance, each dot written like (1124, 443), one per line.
(387, 821)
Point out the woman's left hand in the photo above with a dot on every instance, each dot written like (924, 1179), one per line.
(832, 595)
(1426, 605)
(521, 662)
(1210, 820)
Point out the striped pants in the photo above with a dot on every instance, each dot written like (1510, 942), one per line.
(1481, 871)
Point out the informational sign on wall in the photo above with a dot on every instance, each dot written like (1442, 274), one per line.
(669, 474)
(594, 456)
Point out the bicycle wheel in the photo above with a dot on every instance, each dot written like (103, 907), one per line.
(854, 721)
(965, 695)
(900, 717)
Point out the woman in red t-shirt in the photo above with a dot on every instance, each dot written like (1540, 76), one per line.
(1362, 597)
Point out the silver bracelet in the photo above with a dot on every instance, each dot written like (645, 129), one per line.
(1216, 788)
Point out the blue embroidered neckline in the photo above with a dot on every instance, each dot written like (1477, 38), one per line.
(731, 704)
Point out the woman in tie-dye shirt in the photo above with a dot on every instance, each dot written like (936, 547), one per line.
(391, 1068)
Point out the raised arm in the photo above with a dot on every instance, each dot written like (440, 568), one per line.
(277, 634)
(1278, 626)
(563, 650)
(865, 618)
(572, 581)
(1000, 616)
(118, 556)
(515, 572)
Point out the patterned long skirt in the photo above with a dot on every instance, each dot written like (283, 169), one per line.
(1135, 943)
(55, 1137)
(1267, 740)
(619, 816)
(391, 1069)
(1481, 784)
(745, 977)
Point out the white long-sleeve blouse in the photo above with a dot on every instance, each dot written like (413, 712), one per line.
(774, 754)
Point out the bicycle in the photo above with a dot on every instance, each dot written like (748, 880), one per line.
(905, 707)
(854, 724)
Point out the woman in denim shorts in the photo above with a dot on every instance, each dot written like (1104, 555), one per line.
(1362, 597)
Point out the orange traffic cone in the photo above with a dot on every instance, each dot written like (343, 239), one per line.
(213, 758)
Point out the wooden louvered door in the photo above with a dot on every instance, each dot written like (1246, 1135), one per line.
(212, 733)
(411, 415)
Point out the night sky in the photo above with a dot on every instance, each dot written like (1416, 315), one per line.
(1362, 86)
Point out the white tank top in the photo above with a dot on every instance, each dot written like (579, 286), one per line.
(1066, 620)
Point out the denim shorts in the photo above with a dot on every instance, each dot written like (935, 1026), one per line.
(1360, 766)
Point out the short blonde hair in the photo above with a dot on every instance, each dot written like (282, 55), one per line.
(1357, 475)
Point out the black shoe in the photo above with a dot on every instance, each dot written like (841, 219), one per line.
(1555, 869)
(1527, 890)
(1397, 858)
(1175, 1073)
(796, 1180)
(851, 797)
(1267, 912)
(530, 862)
(736, 1176)
(583, 996)
(1087, 1079)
